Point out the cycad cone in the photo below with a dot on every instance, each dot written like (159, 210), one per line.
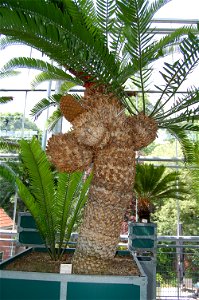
(104, 136)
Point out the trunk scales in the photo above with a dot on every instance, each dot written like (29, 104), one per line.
(104, 136)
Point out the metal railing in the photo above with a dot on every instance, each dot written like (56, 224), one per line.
(177, 272)
(8, 239)
(177, 261)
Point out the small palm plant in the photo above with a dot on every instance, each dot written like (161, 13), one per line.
(153, 185)
(103, 44)
(55, 200)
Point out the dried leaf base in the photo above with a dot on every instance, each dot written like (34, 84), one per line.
(119, 265)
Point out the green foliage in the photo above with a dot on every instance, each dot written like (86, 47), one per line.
(194, 171)
(52, 101)
(44, 104)
(109, 41)
(153, 185)
(5, 99)
(8, 145)
(11, 168)
(13, 122)
(166, 217)
(153, 182)
(192, 264)
(166, 266)
(7, 186)
(49, 71)
(181, 133)
(171, 147)
(54, 199)
(11, 125)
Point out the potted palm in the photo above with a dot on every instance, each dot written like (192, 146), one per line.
(153, 185)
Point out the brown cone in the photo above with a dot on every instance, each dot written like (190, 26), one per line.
(70, 108)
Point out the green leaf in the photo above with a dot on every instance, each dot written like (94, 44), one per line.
(5, 99)
(7, 173)
(55, 200)
(175, 74)
(54, 119)
(44, 104)
(153, 184)
(8, 73)
(41, 181)
(181, 134)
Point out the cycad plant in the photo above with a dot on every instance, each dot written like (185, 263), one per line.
(55, 200)
(102, 44)
(153, 185)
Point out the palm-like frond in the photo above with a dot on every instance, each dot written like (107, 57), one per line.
(40, 172)
(109, 42)
(140, 50)
(44, 104)
(7, 173)
(65, 39)
(136, 17)
(46, 76)
(54, 199)
(180, 132)
(137, 38)
(37, 213)
(71, 196)
(66, 86)
(154, 51)
(54, 119)
(82, 196)
(8, 73)
(5, 99)
(49, 70)
(105, 11)
(185, 108)
(42, 182)
(175, 74)
(152, 182)
(6, 41)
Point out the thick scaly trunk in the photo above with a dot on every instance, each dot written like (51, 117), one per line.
(104, 135)
(110, 194)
